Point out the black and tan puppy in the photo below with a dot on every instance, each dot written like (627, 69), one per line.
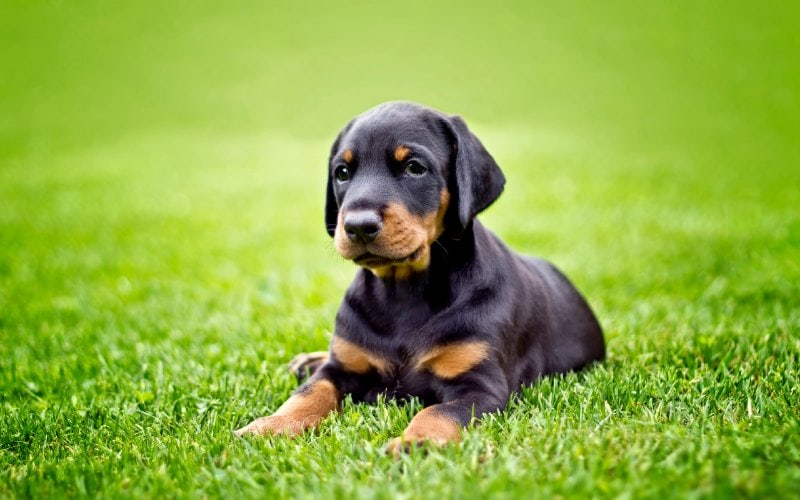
(442, 309)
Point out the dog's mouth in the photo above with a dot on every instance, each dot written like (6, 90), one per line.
(371, 260)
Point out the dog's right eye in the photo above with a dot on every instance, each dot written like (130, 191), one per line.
(342, 173)
(415, 169)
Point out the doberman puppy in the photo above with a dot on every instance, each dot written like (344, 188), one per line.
(441, 310)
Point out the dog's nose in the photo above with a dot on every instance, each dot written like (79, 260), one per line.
(362, 226)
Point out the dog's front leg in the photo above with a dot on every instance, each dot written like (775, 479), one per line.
(442, 423)
(309, 404)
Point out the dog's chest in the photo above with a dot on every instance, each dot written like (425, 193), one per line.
(395, 332)
(403, 382)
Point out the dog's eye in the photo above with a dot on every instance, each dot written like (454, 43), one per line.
(414, 168)
(342, 173)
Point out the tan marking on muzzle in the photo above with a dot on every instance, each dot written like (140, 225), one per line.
(403, 236)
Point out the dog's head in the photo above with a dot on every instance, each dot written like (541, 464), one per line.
(401, 175)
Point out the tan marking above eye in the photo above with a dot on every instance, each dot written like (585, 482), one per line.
(347, 156)
(356, 359)
(451, 360)
(401, 153)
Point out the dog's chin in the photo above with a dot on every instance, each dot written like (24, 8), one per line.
(374, 260)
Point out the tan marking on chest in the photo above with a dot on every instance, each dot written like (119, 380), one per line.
(356, 359)
(451, 360)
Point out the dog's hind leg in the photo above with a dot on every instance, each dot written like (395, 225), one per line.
(307, 363)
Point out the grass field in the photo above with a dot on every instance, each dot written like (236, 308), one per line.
(162, 250)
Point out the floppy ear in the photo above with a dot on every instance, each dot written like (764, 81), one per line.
(331, 205)
(478, 179)
(331, 209)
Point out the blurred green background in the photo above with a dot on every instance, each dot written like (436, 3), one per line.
(162, 250)
(668, 78)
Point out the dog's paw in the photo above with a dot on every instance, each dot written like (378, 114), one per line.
(273, 425)
(403, 445)
(305, 364)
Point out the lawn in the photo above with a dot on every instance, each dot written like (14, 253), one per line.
(163, 255)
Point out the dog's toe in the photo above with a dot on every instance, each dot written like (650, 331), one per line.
(400, 446)
(273, 425)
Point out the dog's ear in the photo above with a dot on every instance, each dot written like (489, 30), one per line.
(331, 205)
(478, 179)
(331, 209)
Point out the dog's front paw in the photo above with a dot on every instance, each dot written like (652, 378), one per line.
(274, 425)
(401, 445)
(430, 426)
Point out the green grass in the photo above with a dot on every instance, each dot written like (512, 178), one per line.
(162, 251)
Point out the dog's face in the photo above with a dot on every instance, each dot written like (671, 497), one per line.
(399, 176)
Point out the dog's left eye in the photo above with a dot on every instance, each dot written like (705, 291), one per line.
(342, 173)
(414, 168)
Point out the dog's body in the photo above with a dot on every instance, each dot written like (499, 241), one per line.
(442, 310)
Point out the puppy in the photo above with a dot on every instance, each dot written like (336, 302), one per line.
(441, 309)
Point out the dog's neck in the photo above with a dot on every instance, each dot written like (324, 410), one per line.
(432, 284)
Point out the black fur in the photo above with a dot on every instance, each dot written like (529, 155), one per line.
(474, 288)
